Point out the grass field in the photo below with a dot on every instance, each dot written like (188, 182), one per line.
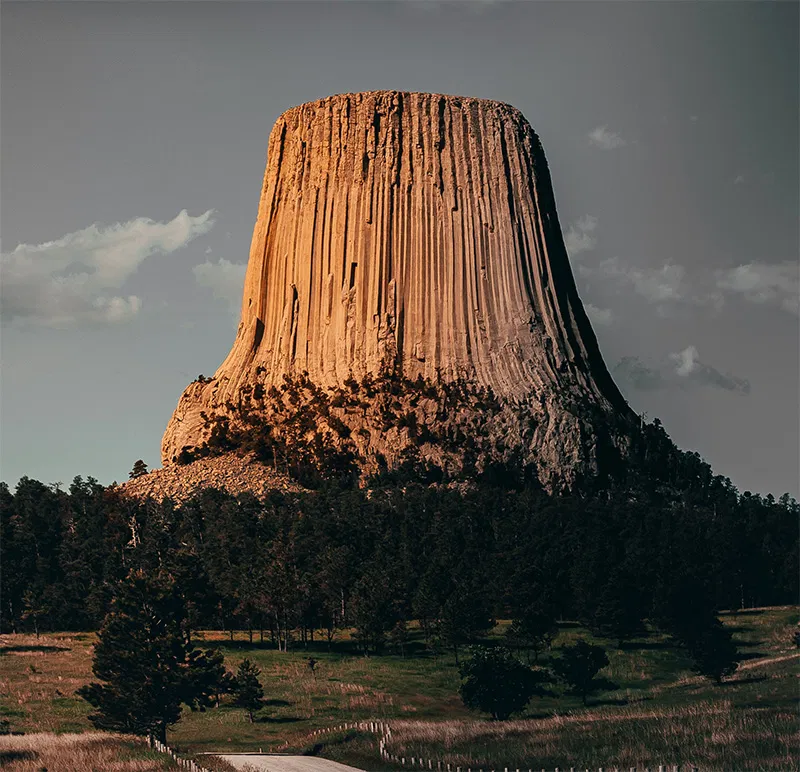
(662, 713)
(87, 752)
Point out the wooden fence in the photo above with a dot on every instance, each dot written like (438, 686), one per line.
(182, 763)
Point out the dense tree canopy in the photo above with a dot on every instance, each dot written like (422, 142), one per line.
(666, 541)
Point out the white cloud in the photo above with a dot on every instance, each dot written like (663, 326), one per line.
(658, 285)
(73, 280)
(224, 279)
(682, 369)
(689, 367)
(598, 315)
(775, 284)
(687, 361)
(579, 237)
(604, 139)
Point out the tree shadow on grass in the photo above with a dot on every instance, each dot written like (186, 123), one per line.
(276, 703)
(614, 701)
(227, 644)
(6, 757)
(280, 719)
(753, 679)
(646, 645)
(747, 612)
(751, 654)
(26, 649)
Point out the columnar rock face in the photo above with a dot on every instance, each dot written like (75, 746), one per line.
(408, 234)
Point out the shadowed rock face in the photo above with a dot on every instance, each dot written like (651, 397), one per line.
(413, 234)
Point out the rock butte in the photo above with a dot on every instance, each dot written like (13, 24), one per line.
(416, 234)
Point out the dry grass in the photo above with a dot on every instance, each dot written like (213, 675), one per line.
(87, 752)
(708, 735)
(38, 679)
(663, 713)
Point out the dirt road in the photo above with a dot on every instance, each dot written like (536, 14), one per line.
(266, 763)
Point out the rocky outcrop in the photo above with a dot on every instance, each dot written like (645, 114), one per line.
(413, 236)
(231, 472)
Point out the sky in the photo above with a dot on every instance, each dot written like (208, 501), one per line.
(133, 141)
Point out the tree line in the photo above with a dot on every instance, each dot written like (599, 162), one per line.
(667, 542)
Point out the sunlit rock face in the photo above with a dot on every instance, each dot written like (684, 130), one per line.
(413, 236)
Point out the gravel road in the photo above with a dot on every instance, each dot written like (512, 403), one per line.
(267, 763)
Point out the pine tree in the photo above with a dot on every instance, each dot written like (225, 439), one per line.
(247, 688)
(145, 661)
(464, 617)
(618, 611)
(713, 652)
(209, 679)
(533, 629)
(375, 610)
(139, 470)
(578, 666)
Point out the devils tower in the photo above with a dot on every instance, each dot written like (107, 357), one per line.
(410, 239)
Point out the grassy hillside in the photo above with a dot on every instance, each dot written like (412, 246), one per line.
(662, 713)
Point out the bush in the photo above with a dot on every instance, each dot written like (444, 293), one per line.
(578, 666)
(713, 652)
(494, 681)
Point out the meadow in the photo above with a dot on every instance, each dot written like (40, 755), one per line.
(86, 752)
(662, 713)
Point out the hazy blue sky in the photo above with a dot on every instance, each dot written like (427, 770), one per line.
(133, 139)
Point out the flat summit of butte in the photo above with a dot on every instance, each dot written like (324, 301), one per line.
(408, 304)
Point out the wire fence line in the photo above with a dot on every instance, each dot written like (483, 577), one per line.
(383, 729)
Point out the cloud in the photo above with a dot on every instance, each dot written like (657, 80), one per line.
(637, 374)
(681, 369)
(470, 6)
(739, 179)
(776, 284)
(657, 285)
(598, 315)
(579, 237)
(75, 279)
(688, 366)
(224, 279)
(604, 139)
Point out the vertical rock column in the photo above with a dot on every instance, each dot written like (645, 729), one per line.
(413, 233)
